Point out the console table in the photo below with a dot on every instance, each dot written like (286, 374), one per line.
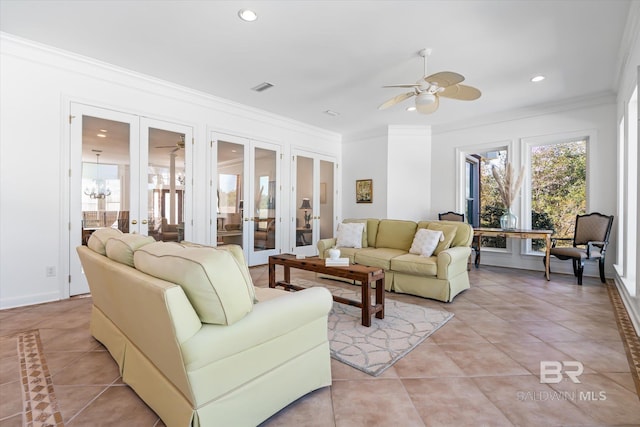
(479, 233)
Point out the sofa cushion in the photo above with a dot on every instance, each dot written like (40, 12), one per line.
(365, 237)
(121, 249)
(415, 264)
(349, 235)
(395, 234)
(212, 279)
(425, 242)
(99, 238)
(377, 257)
(449, 232)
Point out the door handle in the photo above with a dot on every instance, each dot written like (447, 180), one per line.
(134, 222)
(144, 221)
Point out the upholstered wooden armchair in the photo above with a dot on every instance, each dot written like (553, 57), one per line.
(454, 216)
(590, 240)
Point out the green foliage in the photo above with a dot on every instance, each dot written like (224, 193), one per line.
(559, 177)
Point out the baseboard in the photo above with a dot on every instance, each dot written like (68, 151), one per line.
(25, 300)
(630, 303)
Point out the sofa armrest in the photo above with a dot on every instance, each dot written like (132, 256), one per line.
(453, 261)
(268, 320)
(325, 244)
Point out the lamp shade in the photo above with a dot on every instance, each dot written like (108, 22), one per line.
(305, 204)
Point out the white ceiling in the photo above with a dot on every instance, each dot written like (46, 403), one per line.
(337, 55)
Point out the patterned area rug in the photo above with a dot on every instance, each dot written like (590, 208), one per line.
(374, 349)
(627, 333)
(39, 403)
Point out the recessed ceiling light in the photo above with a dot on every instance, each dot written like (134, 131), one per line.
(262, 86)
(101, 135)
(247, 15)
(103, 130)
(411, 108)
(332, 113)
(537, 79)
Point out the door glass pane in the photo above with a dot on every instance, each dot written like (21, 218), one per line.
(304, 197)
(264, 203)
(230, 205)
(105, 175)
(165, 183)
(326, 199)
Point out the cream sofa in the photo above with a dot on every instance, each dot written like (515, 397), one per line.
(256, 351)
(386, 244)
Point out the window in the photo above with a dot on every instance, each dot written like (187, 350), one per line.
(558, 176)
(491, 206)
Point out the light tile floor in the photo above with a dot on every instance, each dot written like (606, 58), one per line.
(482, 368)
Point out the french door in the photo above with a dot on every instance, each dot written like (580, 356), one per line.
(246, 196)
(313, 198)
(127, 172)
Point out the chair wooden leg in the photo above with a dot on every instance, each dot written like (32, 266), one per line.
(580, 271)
(601, 265)
(575, 267)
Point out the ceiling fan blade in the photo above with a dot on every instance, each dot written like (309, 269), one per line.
(395, 100)
(428, 108)
(445, 78)
(461, 92)
(405, 85)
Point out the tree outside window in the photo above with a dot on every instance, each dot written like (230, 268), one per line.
(558, 187)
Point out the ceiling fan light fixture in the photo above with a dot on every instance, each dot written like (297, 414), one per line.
(425, 99)
(247, 15)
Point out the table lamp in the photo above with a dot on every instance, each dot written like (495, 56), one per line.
(306, 205)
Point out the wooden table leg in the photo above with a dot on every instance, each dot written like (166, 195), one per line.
(287, 274)
(380, 298)
(366, 303)
(272, 275)
(547, 256)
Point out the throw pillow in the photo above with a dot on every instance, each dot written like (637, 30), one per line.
(121, 249)
(349, 235)
(212, 279)
(425, 242)
(99, 238)
(449, 232)
(365, 238)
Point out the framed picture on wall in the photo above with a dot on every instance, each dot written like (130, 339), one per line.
(364, 191)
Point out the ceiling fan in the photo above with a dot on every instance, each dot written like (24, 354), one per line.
(429, 89)
(178, 145)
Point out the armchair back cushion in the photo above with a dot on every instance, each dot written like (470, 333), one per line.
(98, 240)
(592, 228)
(216, 286)
(121, 248)
(395, 234)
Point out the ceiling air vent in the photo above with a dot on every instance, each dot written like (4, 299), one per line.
(262, 87)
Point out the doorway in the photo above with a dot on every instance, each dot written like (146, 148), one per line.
(131, 175)
(246, 196)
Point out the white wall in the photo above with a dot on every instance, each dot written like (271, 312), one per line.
(37, 85)
(364, 157)
(409, 172)
(595, 116)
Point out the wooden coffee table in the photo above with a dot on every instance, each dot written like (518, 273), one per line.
(365, 275)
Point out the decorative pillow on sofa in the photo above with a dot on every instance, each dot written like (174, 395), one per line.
(349, 235)
(212, 279)
(121, 248)
(365, 238)
(449, 232)
(99, 238)
(425, 242)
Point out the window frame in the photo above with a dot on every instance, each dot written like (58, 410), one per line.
(525, 201)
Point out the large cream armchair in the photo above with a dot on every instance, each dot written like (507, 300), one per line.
(194, 338)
